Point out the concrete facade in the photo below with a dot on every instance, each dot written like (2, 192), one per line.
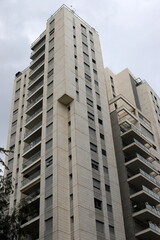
(60, 131)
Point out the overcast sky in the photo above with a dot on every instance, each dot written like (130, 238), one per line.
(129, 32)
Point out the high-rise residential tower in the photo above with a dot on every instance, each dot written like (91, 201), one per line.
(63, 157)
(134, 109)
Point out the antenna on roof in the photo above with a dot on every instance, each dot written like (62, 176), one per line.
(73, 9)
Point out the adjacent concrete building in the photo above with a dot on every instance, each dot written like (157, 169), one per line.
(134, 109)
(63, 157)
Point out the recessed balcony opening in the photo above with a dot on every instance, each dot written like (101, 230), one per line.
(31, 159)
(31, 230)
(33, 132)
(147, 230)
(32, 193)
(35, 98)
(31, 175)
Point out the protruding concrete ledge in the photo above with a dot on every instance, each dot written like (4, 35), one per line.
(65, 99)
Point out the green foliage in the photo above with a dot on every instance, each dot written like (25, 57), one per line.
(10, 220)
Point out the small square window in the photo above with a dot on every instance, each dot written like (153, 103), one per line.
(95, 165)
(100, 121)
(104, 152)
(107, 188)
(98, 204)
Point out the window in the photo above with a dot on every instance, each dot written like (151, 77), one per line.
(99, 226)
(50, 73)
(101, 136)
(51, 32)
(15, 112)
(86, 66)
(90, 116)
(69, 123)
(49, 128)
(92, 131)
(49, 144)
(89, 102)
(88, 89)
(48, 201)
(93, 61)
(105, 169)
(103, 152)
(107, 188)
(49, 99)
(76, 79)
(83, 27)
(50, 112)
(50, 62)
(76, 67)
(98, 204)
(96, 183)
(111, 229)
(49, 161)
(96, 83)
(87, 77)
(51, 51)
(95, 165)
(98, 107)
(69, 140)
(48, 224)
(100, 121)
(93, 147)
(49, 180)
(109, 208)
(14, 123)
(94, 71)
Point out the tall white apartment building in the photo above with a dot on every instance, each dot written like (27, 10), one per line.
(134, 109)
(63, 156)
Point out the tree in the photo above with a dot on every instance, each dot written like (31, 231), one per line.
(10, 220)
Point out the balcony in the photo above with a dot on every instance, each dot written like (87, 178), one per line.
(144, 194)
(142, 163)
(135, 147)
(146, 211)
(37, 77)
(37, 60)
(37, 51)
(140, 177)
(35, 88)
(28, 119)
(130, 131)
(32, 130)
(39, 68)
(31, 228)
(148, 231)
(34, 101)
(32, 144)
(32, 159)
(28, 178)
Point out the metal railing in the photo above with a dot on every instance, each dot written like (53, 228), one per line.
(35, 69)
(145, 161)
(152, 209)
(141, 145)
(36, 78)
(33, 115)
(150, 192)
(26, 134)
(34, 101)
(32, 159)
(35, 88)
(32, 144)
(30, 178)
(32, 195)
(154, 227)
(149, 177)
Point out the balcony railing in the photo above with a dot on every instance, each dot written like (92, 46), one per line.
(137, 130)
(32, 144)
(35, 69)
(149, 177)
(33, 115)
(150, 192)
(32, 195)
(35, 79)
(31, 159)
(141, 145)
(35, 88)
(152, 209)
(32, 129)
(30, 178)
(34, 101)
(145, 161)
(154, 227)
(38, 57)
